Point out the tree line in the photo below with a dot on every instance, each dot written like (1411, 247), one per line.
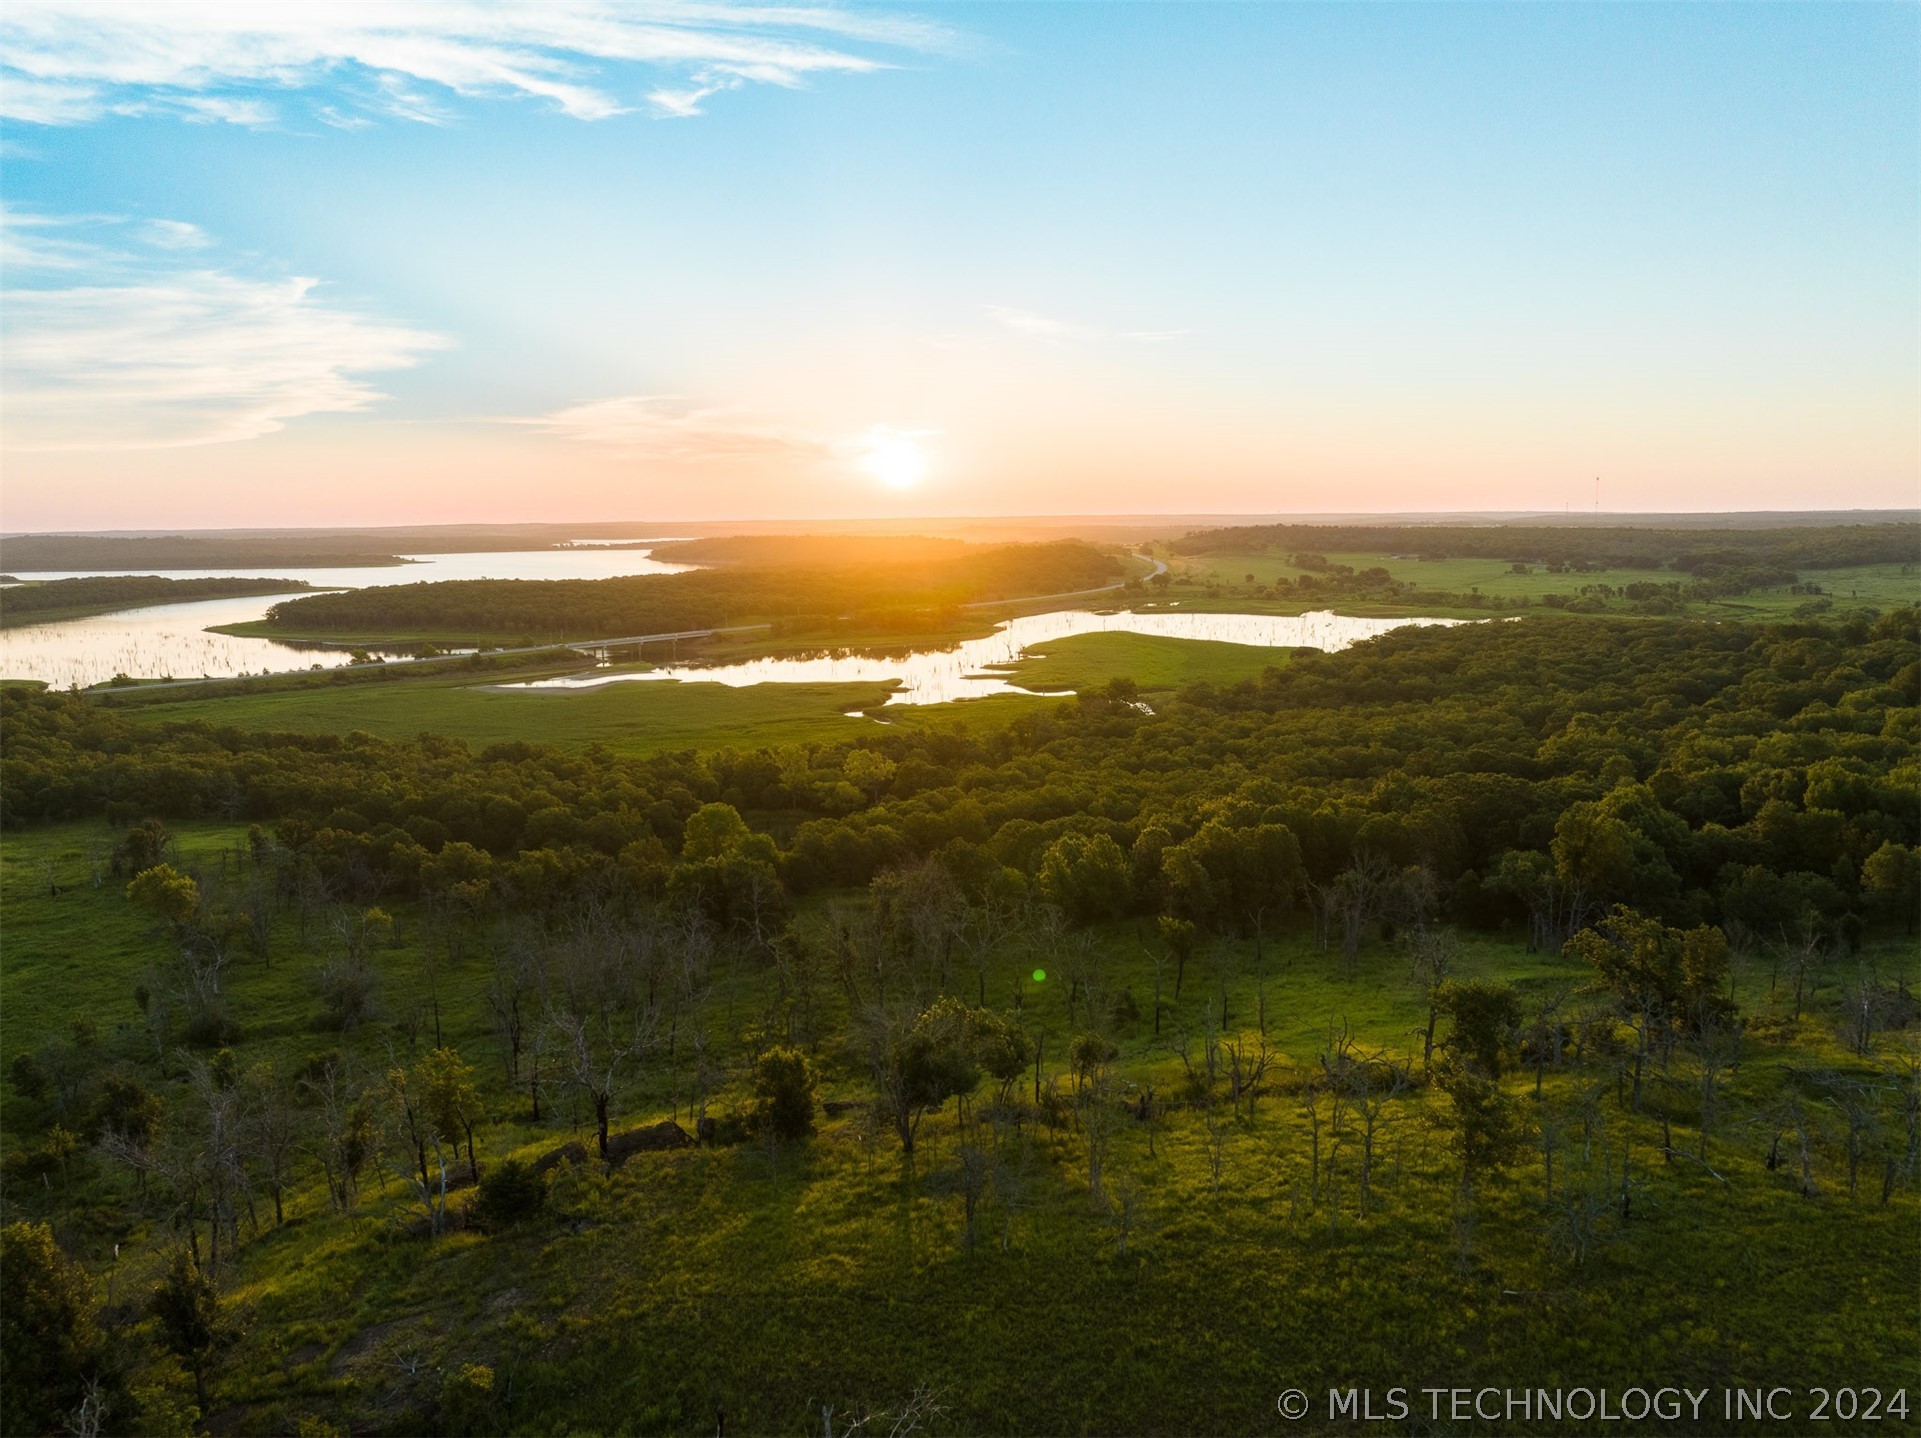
(1700, 552)
(705, 598)
(31, 603)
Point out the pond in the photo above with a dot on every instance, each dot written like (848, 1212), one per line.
(171, 640)
(975, 668)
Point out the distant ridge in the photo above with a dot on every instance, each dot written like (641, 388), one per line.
(442, 538)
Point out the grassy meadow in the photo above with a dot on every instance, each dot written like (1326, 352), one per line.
(645, 718)
(1210, 1264)
(1083, 662)
(1869, 586)
(635, 718)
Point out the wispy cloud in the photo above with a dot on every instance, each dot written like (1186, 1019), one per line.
(176, 235)
(70, 61)
(1065, 332)
(33, 242)
(1040, 327)
(146, 355)
(667, 427)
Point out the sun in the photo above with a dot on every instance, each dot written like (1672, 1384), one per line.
(894, 458)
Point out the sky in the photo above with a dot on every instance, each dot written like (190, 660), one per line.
(555, 260)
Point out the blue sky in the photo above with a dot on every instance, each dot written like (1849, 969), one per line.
(1073, 258)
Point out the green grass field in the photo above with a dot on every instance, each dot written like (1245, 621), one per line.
(745, 1287)
(634, 718)
(1876, 586)
(1088, 661)
(641, 718)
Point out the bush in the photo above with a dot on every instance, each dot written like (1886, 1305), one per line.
(510, 1192)
(29, 1076)
(467, 1400)
(49, 1344)
(211, 1027)
(783, 1094)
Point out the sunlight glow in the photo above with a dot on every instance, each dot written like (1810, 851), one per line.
(894, 458)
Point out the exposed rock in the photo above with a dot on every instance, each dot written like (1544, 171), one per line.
(569, 1153)
(651, 1139)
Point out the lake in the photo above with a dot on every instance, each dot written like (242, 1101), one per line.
(171, 640)
(969, 670)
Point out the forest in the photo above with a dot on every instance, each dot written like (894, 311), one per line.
(1537, 987)
(1691, 551)
(812, 551)
(47, 600)
(850, 580)
(290, 548)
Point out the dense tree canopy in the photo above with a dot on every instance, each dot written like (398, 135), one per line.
(1714, 773)
(1690, 551)
(62, 598)
(704, 598)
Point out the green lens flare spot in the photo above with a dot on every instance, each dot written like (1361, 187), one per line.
(1040, 976)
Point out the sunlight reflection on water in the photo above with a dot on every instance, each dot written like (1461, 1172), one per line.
(966, 670)
(171, 640)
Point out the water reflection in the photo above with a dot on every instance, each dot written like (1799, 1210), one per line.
(967, 671)
(596, 562)
(171, 640)
(162, 641)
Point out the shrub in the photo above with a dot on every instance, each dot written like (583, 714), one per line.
(510, 1192)
(783, 1094)
(211, 1027)
(29, 1076)
(467, 1399)
(49, 1344)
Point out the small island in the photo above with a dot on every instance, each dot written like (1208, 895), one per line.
(45, 601)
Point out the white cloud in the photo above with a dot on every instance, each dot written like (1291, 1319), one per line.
(665, 427)
(1040, 327)
(176, 235)
(226, 110)
(158, 358)
(68, 61)
(42, 242)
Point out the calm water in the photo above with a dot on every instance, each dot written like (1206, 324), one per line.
(968, 670)
(171, 640)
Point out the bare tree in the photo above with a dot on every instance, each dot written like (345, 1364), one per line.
(1545, 1033)
(1791, 1118)
(1248, 1062)
(1100, 1116)
(988, 924)
(599, 1042)
(271, 1133)
(1315, 1101)
(1373, 1084)
(1856, 1102)
(1904, 1069)
(346, 1140)
(1865, 1007)
(511, 999)
(1434, 953)
(1218, 1129)
(1717, 1051)
(1804, 949)
(194, 1160)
